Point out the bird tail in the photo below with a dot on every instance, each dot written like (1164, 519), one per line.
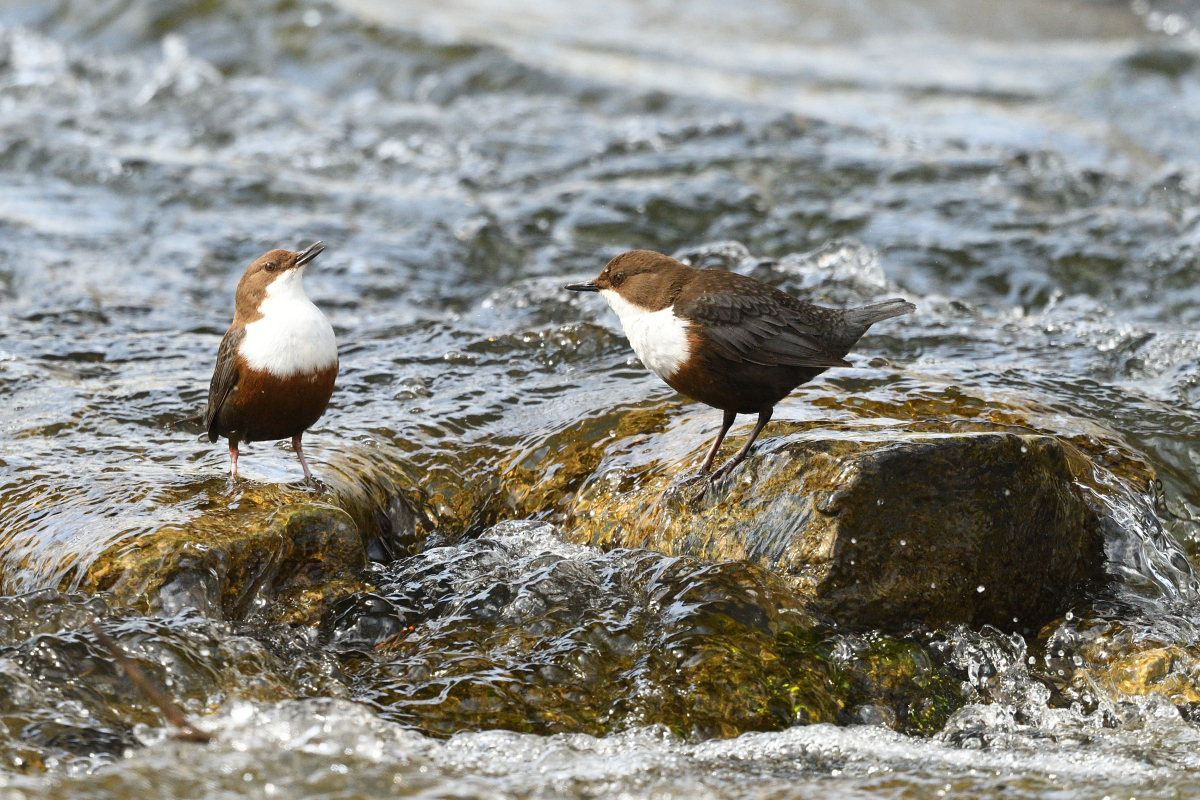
(866, 316)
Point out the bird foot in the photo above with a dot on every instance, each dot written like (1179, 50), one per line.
(313, 483)
(723, 472)
(713, 477)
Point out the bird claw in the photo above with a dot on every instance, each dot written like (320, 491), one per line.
(722, 473)
(714, 477)
(706, 481)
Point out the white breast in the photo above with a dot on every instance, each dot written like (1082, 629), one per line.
(293, 335)
(658, 337)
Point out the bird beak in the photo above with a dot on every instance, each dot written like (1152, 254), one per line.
(586, 286)
(309, 253)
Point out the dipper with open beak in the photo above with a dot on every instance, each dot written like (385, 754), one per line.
(278, 361)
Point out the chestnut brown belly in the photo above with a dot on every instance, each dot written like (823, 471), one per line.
(264, 407)
(740, 387)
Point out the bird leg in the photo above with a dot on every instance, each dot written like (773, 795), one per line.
(300, 452)
(763, 418)
(233, 455)
(730, 416)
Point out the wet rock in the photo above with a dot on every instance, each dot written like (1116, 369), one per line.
(521, 630)
(64, 700)
(896, 683)
(1169, 671)
(884, 529)
(283, 564)
(1095, 661)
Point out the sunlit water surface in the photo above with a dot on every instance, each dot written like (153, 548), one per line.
(1030, 178)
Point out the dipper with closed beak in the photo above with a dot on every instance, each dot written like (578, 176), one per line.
(727, 340)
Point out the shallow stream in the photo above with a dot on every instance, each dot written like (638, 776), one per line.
(1027, 173)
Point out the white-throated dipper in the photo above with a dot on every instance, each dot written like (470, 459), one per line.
(278, 361)
(727, 340)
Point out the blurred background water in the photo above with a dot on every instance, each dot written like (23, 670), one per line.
(1027, 172)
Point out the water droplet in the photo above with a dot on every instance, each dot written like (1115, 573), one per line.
(979, 589)
(879, 502)
(903, 543)
(853, 540)
(1070, 616)
(1024, 449)
(312, 18)
(1007, 493)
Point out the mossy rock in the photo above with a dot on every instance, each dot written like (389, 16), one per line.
(285, 564)
(510, 631)
(896, 683)
(883, 529)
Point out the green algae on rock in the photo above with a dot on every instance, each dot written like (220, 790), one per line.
(522, 631)
(283, 564)
(883, 529)
(276, 552)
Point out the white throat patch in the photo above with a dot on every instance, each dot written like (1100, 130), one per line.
(658, 337)
(293, 335)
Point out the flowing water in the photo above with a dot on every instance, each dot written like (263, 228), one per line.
(1028, 173)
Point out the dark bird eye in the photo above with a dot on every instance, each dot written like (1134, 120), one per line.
(618, 279)
(270, 266)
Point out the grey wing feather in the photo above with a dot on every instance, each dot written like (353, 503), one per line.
(758, 329)
(224, 378)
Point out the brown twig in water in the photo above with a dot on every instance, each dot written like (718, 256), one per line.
(173, 713)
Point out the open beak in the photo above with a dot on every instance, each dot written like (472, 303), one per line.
(586, 286)
(309, 253)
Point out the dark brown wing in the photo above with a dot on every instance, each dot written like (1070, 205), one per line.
(745, 320)
(224, 378)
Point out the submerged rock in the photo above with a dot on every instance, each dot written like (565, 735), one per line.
(64, 700)
(1170, 671)
(522, 631)
(886, 528)
(1098, 662)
